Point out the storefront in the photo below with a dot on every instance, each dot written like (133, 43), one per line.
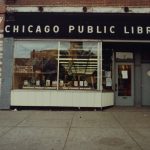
(76, 59)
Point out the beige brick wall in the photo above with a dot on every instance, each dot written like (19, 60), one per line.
(2, 8)
(2, 11)
(134, 3)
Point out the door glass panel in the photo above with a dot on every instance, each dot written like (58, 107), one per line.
(124, 80)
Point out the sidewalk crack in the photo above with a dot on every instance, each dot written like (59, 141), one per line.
(68, 131)
(127, 132)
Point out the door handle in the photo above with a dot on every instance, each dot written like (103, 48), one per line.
(116, 86)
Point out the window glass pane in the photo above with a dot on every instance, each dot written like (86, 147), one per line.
(35, 64)
(124, 80)
(78, 64)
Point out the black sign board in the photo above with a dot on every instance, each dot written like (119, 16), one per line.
(110, 26)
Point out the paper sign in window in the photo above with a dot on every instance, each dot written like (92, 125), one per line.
(124, 74)
(108, 74)
(108, 82)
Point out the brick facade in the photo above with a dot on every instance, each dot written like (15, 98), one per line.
(129, 3)
(2, 11)
(2, 8)
(2, 15)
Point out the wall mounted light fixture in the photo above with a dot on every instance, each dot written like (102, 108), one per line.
(126, 9)
(84, 9)
(40, 8)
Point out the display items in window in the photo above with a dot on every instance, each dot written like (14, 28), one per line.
(50, 65)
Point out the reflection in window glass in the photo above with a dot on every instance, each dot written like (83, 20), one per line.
(56, 65)
(35, 64)
(78, 64)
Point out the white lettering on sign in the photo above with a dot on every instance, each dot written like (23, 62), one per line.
(7, 28)
(139, 30)
(23, 28)
(16, 29)
(56, 29)
(79, 29)
(136, 30)
(147, 30)
(30, 29)
(112, 29)
(71, 28)
(91, 29)
(47, 29)
(38, 29)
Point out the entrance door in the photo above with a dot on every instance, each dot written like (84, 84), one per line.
(146, 84)
(124, 95)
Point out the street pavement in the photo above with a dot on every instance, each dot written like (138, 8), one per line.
(115, 128)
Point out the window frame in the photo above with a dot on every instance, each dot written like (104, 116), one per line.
(99, 61)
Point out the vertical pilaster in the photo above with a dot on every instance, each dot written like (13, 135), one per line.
(6, 74)
(138, 77)
(2, 19)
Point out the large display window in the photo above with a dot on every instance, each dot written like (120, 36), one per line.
(78, 64)
(50, 64)
(35, 64)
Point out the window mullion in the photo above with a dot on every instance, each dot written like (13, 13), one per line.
(58, 65)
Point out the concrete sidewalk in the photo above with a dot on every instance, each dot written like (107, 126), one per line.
(111, 129)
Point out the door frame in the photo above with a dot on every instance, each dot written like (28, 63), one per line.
(119, 99)
(145, 88)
